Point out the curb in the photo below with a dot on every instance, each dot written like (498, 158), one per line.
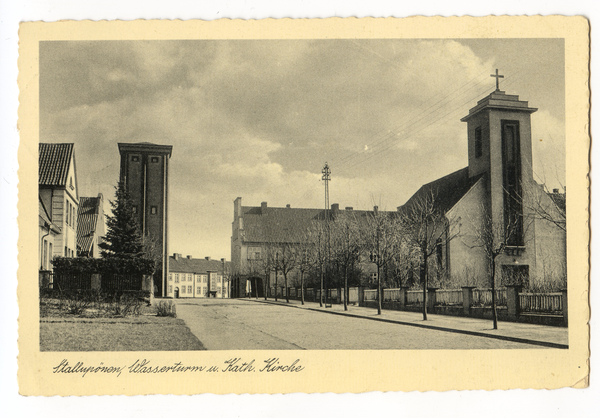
(432, 327)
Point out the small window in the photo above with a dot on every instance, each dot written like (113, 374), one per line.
(135, 158)
(154, 159)
(189, 289)
(170, 289)
(182, 289)
(71, 184)
(170, 277)
(478, 143)
(198, 290)
(153, 210)
(176, 278)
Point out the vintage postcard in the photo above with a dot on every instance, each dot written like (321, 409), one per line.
(278, 206)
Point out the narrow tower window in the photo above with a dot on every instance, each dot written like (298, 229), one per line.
(478, 143)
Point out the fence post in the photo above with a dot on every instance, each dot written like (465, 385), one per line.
(431, 298)
(361, 296)
(402, 300)
(512, 300)
(565, 307)
(467, 293)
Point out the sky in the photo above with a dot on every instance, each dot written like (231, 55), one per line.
(258, 119)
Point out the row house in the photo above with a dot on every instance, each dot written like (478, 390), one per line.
(197, 277)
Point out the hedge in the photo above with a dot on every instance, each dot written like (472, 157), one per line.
(111, 265)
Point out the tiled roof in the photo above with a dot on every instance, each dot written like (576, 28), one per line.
(447, 190)
(285, 225)
(560, 200)
(54, 160)
(196, 265)
(87, 219)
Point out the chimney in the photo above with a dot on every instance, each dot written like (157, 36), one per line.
(189, 257)
(263, 207)
(376, 209)
(176, 256)
(207, 258)
(288, 206)
(554, 190)
(237, 207)
(335, 207)
(349, 208)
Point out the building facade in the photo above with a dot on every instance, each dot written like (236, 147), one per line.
(197, 277)
(91, 226)
(59, 202)
(145, 175)
(497, 193)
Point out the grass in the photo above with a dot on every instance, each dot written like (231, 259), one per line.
(95, 330)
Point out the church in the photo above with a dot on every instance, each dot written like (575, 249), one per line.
(497, 191)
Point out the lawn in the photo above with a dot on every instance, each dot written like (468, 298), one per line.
(88, 332)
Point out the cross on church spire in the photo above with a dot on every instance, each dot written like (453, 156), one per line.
(498, 77)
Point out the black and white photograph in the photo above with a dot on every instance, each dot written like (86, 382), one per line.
(234, 206)
(238, 192)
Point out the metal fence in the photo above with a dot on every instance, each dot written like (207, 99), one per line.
(65, 282)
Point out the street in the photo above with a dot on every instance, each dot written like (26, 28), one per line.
(242, 324)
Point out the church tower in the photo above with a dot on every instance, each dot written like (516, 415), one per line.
(499, 146)
(145, 174)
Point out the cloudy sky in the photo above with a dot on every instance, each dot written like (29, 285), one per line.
(258, 119)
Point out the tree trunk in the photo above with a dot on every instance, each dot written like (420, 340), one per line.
(321, 292)
(287, 295)
(345, 287)
(425, 286)
(302, 287)
(266, 286)
(494, 313)
(378, 291)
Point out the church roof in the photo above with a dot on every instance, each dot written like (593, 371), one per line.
(196, 265)
(54, 161)
(447, 190)
(87, 220)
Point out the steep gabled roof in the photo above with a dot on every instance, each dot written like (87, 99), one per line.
(447, 190)
(87, 220)
(196, 265)
(560, 200)
(54, 160)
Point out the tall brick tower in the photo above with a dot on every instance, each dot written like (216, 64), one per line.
(145, 174)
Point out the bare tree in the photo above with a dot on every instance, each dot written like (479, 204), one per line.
(316, 237)
(382, 235)
(492, 236)
(345, 244)
(427, 228)
(286, 258)
(547, 206)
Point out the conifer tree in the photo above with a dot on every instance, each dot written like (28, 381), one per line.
(123, 238)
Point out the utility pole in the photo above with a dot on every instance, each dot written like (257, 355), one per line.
(326, 177)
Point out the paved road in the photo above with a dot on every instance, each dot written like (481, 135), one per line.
(233, 324)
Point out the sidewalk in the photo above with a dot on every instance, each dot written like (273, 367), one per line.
(542, 335)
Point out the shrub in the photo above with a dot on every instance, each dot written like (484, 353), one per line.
(166, 308)
(66, 265)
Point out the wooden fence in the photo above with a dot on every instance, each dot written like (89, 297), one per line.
(541, 302)
(483, 297)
